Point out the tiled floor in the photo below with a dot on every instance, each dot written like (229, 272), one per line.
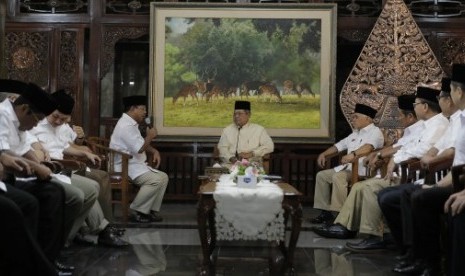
(173, 248)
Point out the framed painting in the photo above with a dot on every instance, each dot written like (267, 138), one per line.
(281, 58)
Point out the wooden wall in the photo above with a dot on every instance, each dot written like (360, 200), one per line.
(71, 45)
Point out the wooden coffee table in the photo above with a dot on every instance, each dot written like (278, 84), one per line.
(281, 256)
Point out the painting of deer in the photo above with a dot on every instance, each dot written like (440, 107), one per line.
(186, 91)
(271, 90)
(304, 89)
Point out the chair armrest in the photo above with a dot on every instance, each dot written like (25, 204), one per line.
(439, 167)
(330, 157)
(405, 170)
(458, 177)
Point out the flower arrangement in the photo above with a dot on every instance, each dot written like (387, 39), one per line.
(244, 167)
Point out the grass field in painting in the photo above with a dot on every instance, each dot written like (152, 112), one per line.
(293, 112)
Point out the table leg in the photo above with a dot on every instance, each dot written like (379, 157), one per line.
(295, 211)
(204, 211)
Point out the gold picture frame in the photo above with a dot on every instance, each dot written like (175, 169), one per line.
(205, 56)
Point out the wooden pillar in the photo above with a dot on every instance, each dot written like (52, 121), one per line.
(3, 73)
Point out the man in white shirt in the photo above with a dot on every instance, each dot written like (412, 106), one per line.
(51, 133)
(242, 139)
(428, 205)
(353, 215)
(15, 119)
(331, 184)
(427, 105)
(127, 138)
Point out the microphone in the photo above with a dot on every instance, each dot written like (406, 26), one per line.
(148, 121)
(237, 140)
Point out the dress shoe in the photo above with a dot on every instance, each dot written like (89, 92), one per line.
(431, 272)
(64, 268)
(416, 267)
(323, 217)
(369, 244)
(155, 216)
(108, 238)
(116, 230)
(82, 240)
(141, 218)
(335, 231)
(404, 257)
(64, 273)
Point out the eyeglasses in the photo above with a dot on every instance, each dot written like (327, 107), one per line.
(441, 96)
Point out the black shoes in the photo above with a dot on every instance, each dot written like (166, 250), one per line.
(335, 231)
(146, 218)
(117, 231)
(323, 217)
(63, 270)
(108, 238)
(82, 240)
(141, 218)
(156, 216)
(372, 243)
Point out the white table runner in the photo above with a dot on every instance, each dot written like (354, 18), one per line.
(248, 214)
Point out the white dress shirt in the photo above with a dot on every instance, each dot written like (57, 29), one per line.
(126, 137)
(447, 140)
(459, 157)
(53, 139)
(370, 134)
(411, 134)
(11, 138)
(433, 129)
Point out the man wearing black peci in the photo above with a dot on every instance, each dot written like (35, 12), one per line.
(242, 139)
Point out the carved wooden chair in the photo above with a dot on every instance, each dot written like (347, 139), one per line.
(412, 170)
(458, 177)
(333, 160)
(119, 181)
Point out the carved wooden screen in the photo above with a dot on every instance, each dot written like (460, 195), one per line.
(394, 60)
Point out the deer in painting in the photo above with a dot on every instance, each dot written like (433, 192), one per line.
(304, 89)
(288, 88)
(251, 86)
(186, 91)
(271, 90)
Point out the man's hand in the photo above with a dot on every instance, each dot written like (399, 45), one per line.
(426, 160)
(370, 159)
(15, 163)
(151, 133)
(95, 159)
(79, 131)
(42, 172)
(348, 158)
(246, 155)
(390, 170)
(455, 204)
(156, 159)
(321, 160)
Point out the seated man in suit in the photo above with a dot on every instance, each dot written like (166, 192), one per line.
(127, 138)
(243, 139)
(331, 184)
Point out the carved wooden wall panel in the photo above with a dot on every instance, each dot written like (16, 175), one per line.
(111, 35)
(395, 59)
(450, 48)
(70, 67)
(28, 55)
(50, 57)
